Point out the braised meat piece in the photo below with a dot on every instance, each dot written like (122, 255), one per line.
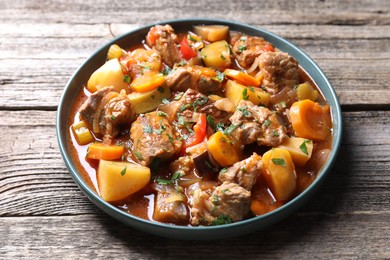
(244, 173)
(170, 205)
(228, 203)
(183, 78)
(247, 48)
(164, 40)
(280, 71)
(257, 124)
(107, 113)
(184, 165)
(153, 137)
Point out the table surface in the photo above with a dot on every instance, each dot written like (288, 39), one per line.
(43, 214)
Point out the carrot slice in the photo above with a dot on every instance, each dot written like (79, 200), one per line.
(223, 150)
(242, 77)
(310, 120)
(105, 152)
(149, 81)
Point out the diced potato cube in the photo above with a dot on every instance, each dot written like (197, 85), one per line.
(212, 33)
(81, 133)
(279, 173)
(237, 92)
(217, 55)
(110, 74)
(300, 149)
(306, 91)
(148, 101)
(118, 180)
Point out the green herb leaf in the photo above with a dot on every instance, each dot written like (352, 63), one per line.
(303, 147)
(241, 48)
(279, 161)
(251, 89)
(230, 129)
(166, 71)
(126, 78)
(176, 176)
(160, 113)
(165, 101)
(245, 94)
(164, 181)
(276, 133)
(170, 138)
(223, 57)
(223, 170)
(245, 112)
(138, 155)
(178, 96)
(123, 172)
(266, 123)
(221, 220)
(191, 38)
(148, 129)
(184, 107)
(113, 118)
(283, 104)
(220, 76)
(243, 38)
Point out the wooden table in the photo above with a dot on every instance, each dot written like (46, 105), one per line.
(44, 214)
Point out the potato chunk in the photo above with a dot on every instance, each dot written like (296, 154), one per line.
(279, 173)
(110, 74)
(217, 55)
(212, 33)
(118, 180)
(300, 149)
(236, 92)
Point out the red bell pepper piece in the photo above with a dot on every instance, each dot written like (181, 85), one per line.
(199, 133)
(186, 51)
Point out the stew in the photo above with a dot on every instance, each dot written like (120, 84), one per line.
(205, 127)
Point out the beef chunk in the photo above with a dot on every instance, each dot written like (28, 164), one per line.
(179, 80)
(257, 124)
(244, 173)
(247, 48)
(114, 112)
(229, 202)
(187, 77)
(185, 165)
(164, 40)
(280, 71)
(153, 137)
(170, 205)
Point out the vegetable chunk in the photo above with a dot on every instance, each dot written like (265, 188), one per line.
(110, 74)
(216, 55)
(236, 92)
(300, 149)
(118, 180)
(279, 173)
(223, 149)
(212, 33)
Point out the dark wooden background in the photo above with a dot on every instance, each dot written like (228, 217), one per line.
(44, 215)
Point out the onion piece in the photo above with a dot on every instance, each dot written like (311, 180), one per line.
(280, 96)
(96, 115)
(254, 65)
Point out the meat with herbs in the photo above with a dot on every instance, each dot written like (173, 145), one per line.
(153, 137)
(279, 71)
(247, 48)
(164, 40)
(244, 173)
(107, 113)
(228, 203)
(257, 124)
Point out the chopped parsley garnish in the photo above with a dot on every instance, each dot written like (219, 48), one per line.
(276, 133)
(199, 102)
(279, 161)
(266, 123)
(241, 48)
(244, 111)
(166, 71)
(138, 155)
(174, 177)
(220, 76)
(159, 113)
(221, 220)
(245, 94)
(184, 107)
(283, 104)
(185, 137)
(170, 138)
(223, 170)
(191, 38)
(113, 118)
(303, 147)
(215, 200)
(123, 172)
(243, 38)
(148, 129)
(243, 169)
(160, 89)
(230, 129)
(223, 57)
(252, 89)
(126, 79)
(178, 96)
(165, 101)
(161, 129)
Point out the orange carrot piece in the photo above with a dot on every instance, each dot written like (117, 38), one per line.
(242, 77)
(149, 81)
(310, 120)
(105, 152)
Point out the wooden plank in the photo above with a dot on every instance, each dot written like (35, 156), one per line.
(251, 11)
(301, 236)
(34, 180)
